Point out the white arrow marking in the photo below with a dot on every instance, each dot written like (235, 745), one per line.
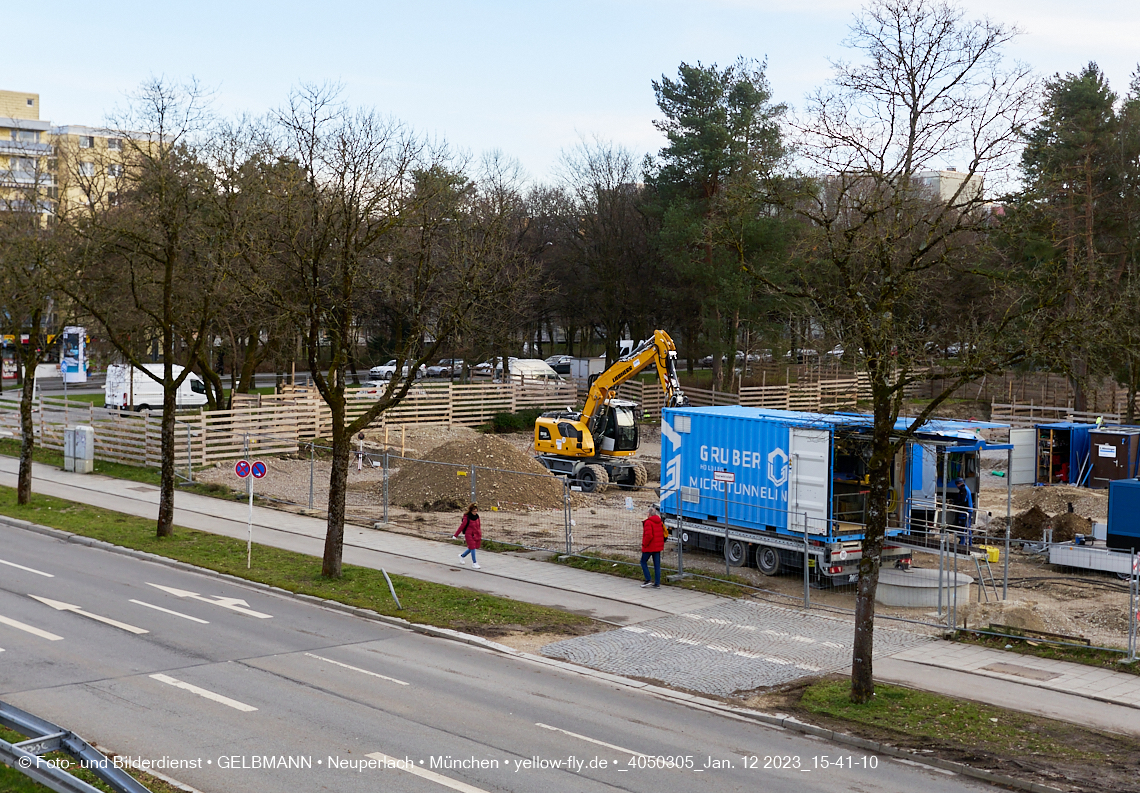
(423, 773)
(224, 602)
(58, 606)
(591, 740)
(51, 637)
(168, 611)
(29, 569)
(233, 703)
(357, 669)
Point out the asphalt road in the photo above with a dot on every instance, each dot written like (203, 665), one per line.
(227, 680)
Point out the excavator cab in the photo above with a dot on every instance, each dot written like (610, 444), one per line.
(619, 434)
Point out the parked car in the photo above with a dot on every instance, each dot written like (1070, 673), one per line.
(386, 371)
(447, 367)
(560, 363)
(803, 355)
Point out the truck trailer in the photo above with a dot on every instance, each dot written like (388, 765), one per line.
(790, 475)
(793, 474)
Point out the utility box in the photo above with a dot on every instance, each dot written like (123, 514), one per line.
(79, 449)
(1114, 455)
(1124, 515)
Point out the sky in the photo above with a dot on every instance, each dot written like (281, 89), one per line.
(530, 79)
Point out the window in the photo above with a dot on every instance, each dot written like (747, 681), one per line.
(543, 434)
(22, 164)
(86, 169)
(31, 103)
(114, 170)
(115, 144)
(26, 136)
(86, 141)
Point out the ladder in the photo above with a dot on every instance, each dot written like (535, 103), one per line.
(982, 574)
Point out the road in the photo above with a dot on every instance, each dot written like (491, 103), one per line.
(158, 663)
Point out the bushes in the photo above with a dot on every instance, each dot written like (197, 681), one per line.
(522, 421)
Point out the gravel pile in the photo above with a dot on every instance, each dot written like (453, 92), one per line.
(520, 478)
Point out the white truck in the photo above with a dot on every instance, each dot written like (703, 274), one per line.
(143, 392)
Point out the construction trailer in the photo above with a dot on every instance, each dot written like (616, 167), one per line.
(1062, 453)
(798, 486)
(1115, 452)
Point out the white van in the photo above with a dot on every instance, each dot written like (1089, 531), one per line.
(145, 393)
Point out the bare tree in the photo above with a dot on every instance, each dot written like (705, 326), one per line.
(30, 257)
(890, 231)
(145, 266)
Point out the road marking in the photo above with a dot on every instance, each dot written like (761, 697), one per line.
(29, 569)
(58, 606)
(423, 773)
(233, 703)
(51, 637)
(233, 604)
(168, 611)
(357, 669)
(591, 740)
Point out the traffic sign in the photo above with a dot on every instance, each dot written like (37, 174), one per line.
(241, 468)
(724, 476)
(258, 469)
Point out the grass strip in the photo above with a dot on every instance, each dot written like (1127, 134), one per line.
(1026, 645)
(424, 602)
(623, 567)
(921, 716)
(13, 781)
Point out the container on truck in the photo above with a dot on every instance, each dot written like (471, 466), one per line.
(123, 391)
(794, 474)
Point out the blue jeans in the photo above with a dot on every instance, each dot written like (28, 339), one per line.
(645, 557)
(472, 552)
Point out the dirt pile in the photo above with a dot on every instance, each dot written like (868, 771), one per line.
(518, 480)
(1068, 524)
(1028, 615)
(1055, 499)
(1028, 525)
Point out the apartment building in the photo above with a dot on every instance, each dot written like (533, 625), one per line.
(53, 166)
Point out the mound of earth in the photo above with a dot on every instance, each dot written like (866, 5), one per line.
(504, 476)
(1055, 499)
(1024, 614)
(1028, 525)
(1068, 524)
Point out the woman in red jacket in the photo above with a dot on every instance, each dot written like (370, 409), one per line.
(470, 529)
(652, 543)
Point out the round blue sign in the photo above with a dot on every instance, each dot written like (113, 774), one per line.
(241, 468)
(258, 469)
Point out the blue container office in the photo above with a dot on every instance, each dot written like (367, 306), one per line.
(1063, 453)
(1124, 515)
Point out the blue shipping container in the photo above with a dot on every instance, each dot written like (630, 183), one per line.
(781, 463)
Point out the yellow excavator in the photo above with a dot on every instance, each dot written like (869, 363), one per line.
(595, 447)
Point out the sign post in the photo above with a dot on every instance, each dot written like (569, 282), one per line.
(249, 471)
(726, 478)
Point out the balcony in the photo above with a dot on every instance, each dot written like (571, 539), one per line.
(20, 178)
(20, 149)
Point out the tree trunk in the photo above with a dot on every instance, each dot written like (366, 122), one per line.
(27, 436)
(878, 498)
(338, 484)
(166, 486)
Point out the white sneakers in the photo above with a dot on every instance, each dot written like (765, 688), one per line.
(476, 565)
(462, 559)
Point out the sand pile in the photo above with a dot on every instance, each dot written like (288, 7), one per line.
(520, 479)
(1028, 615)
(1068, 524)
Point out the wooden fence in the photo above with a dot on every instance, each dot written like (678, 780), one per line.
(821, 395)
(1031, 415)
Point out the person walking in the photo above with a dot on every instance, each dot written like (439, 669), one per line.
(652, 543)
(472, 532)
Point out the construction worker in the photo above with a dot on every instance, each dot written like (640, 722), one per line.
(963, 501)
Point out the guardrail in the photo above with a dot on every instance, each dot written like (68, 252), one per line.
(44, 738)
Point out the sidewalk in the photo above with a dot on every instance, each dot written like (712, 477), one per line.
(607, 598)
(1087, 695)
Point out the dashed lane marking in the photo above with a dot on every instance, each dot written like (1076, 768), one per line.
(586, 738)
(358, 669)
(210, 695)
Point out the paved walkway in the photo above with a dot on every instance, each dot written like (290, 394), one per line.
(689, 639)
(608, 598)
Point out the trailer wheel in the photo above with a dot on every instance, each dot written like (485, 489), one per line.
(768, 560)
(593, 478)
(738, 553)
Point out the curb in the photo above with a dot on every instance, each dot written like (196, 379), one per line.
(771, 720)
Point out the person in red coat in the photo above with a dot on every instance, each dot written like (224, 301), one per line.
(472, 532)
(652, 543)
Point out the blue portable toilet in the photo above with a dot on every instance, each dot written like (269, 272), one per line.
(1063, 453)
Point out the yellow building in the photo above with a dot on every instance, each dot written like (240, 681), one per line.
(53, 167)
(26, 154)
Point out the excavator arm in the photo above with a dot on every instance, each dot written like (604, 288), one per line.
(658, 350)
